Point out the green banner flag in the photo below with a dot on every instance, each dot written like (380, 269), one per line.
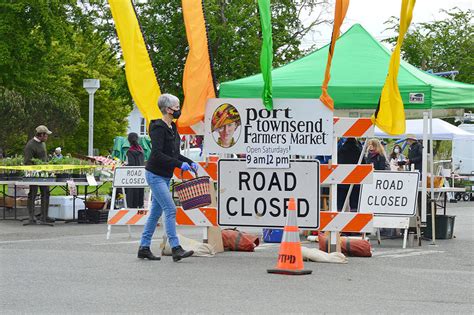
(266, 55)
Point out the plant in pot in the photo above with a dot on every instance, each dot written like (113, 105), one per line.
(9, 173)
(95, 202)
(78, 174)
(38, 175)
(64, 175)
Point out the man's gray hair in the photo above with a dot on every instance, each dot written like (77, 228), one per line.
(167, 100)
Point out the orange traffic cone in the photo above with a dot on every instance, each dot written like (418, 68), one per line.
(290, 259)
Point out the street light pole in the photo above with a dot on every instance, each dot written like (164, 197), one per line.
(91, 85)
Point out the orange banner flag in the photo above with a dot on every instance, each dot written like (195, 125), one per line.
(198, 77)
(339, 15)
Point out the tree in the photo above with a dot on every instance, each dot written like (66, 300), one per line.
(49, 49)
(441, 45)
(233, 31)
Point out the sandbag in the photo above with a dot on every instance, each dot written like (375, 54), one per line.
(200, 249)
(314, 254)
(349, 246)
(236, 240)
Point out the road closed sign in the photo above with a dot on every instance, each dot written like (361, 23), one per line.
(390, 194)
(259, 197)
(130, 176)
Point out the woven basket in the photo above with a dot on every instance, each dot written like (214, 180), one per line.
(194, 193)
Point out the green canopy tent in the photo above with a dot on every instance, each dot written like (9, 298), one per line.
(358, 72)
(121, 146)
(359, 69)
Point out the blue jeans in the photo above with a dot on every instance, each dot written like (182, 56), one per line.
(161, 201)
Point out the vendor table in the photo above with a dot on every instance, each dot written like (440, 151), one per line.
(443, 193)
(54, 185)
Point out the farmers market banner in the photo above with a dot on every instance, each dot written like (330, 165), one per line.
(298, 126)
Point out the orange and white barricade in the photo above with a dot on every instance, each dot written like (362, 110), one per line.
(134, 177)
(205, 169)
(127, 217)
(353, 127)
(346, 222)
(346, 174)
(206, 216)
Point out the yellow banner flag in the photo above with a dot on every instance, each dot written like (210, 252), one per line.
(390, 113)
(141, 77)
(339, 15)
(198, 79)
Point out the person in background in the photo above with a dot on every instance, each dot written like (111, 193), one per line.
(57, 153)
(397, 159)
(415, 153)
(376, 155)
(348, 153)
(165, 157)
(135, 157)
(36, 149)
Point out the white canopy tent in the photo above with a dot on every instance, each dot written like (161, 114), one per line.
(442, 130)
(425, 129)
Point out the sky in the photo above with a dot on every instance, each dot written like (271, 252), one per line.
(372, 14)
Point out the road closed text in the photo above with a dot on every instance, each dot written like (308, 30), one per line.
(276, 206)
(260, 197)
(391, 193)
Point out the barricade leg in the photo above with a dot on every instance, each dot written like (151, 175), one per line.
(418, 229)
(109, 231)
(333, 238)
(405, 236)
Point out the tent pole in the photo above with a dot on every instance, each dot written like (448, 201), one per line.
(333, 187)
(432, 177)
(424, 167)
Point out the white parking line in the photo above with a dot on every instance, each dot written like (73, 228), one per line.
(412, 253)
(117, 243)
(48, 239)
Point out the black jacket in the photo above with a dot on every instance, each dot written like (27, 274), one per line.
(165, 154)
(135, 158)
(349, 152)
(379, 161)
(415, 154)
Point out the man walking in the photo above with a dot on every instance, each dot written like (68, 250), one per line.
(36, 149)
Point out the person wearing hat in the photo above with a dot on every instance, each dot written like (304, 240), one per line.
(36, 149)
(415, 152)
(57, 155)
(225, 121)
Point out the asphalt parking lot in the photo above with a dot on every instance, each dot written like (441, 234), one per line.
(72, 268)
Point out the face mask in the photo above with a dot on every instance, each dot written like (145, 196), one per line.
(176, 114)
(396, 150)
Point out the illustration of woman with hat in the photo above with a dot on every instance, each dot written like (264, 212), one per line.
(225, 121)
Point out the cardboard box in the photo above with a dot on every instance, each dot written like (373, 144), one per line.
(9, 202)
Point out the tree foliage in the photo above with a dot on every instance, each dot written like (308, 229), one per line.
(441, 45)
(233, 31)
(50, 48)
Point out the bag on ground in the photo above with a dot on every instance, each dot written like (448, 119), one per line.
(236, 240)
(349, 246)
